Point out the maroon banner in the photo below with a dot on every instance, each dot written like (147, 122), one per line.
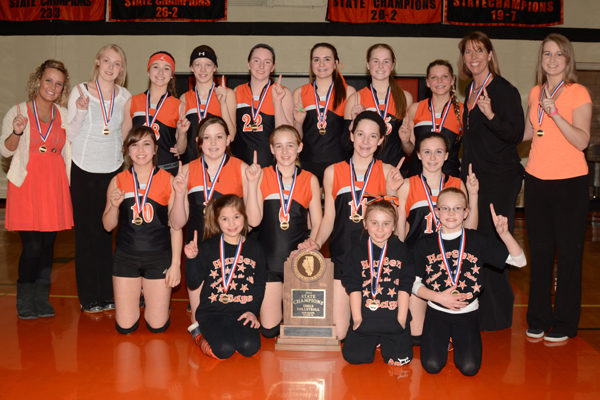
(534, 13)
(168, 10)
(389, 11)
(52, 10)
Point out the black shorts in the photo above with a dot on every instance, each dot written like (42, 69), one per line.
(153, 266)
(273, 276)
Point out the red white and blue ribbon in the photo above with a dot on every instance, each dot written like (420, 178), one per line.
(382, 113)
(453, 277)
(434, 126)
(357, 201)
(136, 185)
(37, 121)
(208, 192)
(376, 275)
(286, 204)
(158, 107)
(202, 114)
(489, 76)
(263, 94)
(106, 115)
(540, 109)
(429, 200)
(322, 115)
(227, 278)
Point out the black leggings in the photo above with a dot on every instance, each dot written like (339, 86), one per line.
(226, 335)
(438, 328)
(36, 258)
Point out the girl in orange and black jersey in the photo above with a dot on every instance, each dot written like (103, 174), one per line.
(319, 111)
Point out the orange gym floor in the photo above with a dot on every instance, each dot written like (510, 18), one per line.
(79, 356)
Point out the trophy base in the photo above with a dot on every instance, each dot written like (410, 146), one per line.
(307, 338)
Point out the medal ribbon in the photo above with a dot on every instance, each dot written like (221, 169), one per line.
(208, 192)
(136, 186)
(356, 202)
(480, 90)
(286, 205)
(228, 278)
(382, 114)
(106, 115)
(322, 116)
(37, 121)
(158, 107)
(202, 114)
(430, 201)
(444, 115)
(540, 109)
(461, 251)
(263, 94)
(375, 286)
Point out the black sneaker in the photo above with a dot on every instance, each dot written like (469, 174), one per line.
(92, 308)
(555, 337)
(534, 333)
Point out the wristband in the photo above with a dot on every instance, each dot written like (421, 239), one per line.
(17, 134)
(555, 112)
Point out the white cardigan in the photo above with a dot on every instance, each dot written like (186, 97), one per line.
(20, 157)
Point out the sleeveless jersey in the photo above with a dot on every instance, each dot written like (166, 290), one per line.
(343, 226)
(417, 210)
(451, 129)
(153, 235)
(276, 242)
(229, 182)
(322, 148)
(164, 127)
(191, 113)
(392, 151)
(246, 141)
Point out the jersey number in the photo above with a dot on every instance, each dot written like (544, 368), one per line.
(248, 123)
(147, 213)
(429, 225)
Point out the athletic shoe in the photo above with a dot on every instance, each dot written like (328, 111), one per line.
(555, 337)
(92, 308)
(189, 308)
(535, 333)
(109, 305)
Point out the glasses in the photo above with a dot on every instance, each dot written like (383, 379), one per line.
(457, 209)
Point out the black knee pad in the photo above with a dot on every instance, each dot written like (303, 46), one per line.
(161, 329)
(270, 333)
(416, 340)
(127, 331)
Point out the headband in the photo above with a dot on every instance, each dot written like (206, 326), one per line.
(164, 57)
(204, 54)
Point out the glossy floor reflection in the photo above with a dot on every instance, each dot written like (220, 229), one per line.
(77, 356)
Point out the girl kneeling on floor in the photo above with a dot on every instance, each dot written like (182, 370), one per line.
(233, 270)
(448, 267)
(147, 251)
(379, 304)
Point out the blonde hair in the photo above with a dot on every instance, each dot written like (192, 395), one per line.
(33, 85)
(453, 190)
(122, 74)
(566, 48)
(213, 211)
(479, 40)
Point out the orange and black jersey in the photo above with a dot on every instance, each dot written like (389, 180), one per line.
(392, 151)
(322, 148)
(191, 113)
(246, 140)
(247, 287)
(343, 226)
(153, 235)
(165, 127)
(398, 274)
(417, 210)
(276, 242)
(480, 249)
(229, 182)
(451, 129)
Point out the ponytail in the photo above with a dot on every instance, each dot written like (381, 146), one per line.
(457, 112)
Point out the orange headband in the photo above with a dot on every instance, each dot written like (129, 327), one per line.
(163, 57)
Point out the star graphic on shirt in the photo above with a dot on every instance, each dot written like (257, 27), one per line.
(448, 282)
(227, 270)
(428, 269)
(442, 267)
(250, 279)
(214, 273)
(244, 287)
(233, 285)
(475, 269)
(213, 298)
(220, 289)
(391, 292)
(436, 286)
(476, 288)
(379, 290)
(366, 293)
(462, 284)
(387, 270)
(241, 267)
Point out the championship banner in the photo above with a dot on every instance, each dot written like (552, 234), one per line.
(52, 10)
(534, 13)
(168, 10)
(389, 11)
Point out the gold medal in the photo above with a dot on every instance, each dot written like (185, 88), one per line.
(356, 218)
(254, 127)
(455, 292)
(284, 225)
(540, 132)
(322, 131)
(43, 148)
(373, 306)
(225, 298)
(106, 131)
(138, 220)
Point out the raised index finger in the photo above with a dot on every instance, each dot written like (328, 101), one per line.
(80, 91)
(18, 109)
(400, 163)
(195, 237)
(279, 80)
(255, 158)
(357, 96)
(494, 216)
(179, 170)
(223, 82)
(470, 169)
